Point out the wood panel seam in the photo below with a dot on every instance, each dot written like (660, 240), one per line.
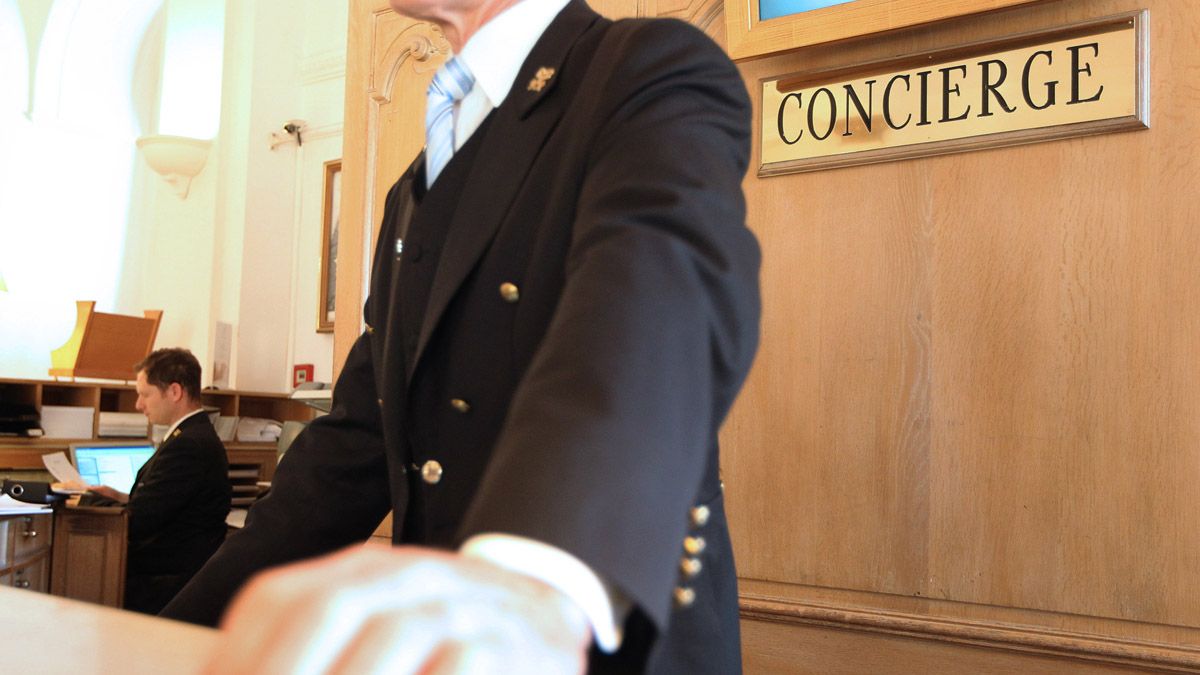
(995, 635)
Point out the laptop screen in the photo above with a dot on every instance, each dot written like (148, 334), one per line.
(112, 464)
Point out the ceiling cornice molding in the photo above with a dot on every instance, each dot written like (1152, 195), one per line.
(321, 66)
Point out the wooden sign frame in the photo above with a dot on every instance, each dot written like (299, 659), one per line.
(1135, 92)
(750, 37)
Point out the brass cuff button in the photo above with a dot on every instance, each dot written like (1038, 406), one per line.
(684, 597)
(460, 405)
(431, 472)
(510, 292)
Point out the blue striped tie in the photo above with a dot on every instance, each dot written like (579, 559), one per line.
(450, 84)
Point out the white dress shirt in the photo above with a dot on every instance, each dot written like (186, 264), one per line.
(494, 55)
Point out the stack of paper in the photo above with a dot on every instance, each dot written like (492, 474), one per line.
(8, 507)
(255, 429)
(225, 426)
(67, 421)
(123, 425)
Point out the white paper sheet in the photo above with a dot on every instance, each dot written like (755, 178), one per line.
(10, 506)
(61, 468)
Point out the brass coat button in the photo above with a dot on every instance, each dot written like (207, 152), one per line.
(684, 597)
(379, 401)
(700, 516)
(690, 567)
(431, 472)
(694, 545)
(460, 405)
(510, 292)
(370, 330)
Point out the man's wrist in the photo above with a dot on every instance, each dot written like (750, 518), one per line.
(605, 609)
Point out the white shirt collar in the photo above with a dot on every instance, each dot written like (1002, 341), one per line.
(171, 429)
(494, 54)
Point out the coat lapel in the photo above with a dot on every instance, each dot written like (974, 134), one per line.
(386, 258)
(511, 143)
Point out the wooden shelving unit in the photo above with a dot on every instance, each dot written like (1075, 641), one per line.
(25, 454)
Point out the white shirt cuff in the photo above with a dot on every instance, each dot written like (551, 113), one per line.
(604, 607)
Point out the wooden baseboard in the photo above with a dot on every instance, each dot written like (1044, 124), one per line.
(1031, 640)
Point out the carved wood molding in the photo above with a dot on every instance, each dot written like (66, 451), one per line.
(1011, 637)
(414, 46)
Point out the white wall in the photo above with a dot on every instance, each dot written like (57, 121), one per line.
(170, 244)
(249, 233)
(243, 247)
(322, 92)
(66, 166)
(262, 333)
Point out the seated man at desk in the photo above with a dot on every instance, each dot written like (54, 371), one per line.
(179, 501)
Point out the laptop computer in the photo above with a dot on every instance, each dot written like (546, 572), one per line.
(112, 464)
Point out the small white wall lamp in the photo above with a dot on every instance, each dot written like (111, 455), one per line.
(178, 159)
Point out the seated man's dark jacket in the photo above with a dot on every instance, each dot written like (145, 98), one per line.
(552, 350)
(179, 502)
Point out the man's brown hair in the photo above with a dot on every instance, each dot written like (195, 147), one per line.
(172, 365)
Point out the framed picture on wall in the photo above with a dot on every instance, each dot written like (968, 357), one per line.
(330, 207)
(762, 27)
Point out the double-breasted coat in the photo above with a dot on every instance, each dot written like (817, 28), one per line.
(177, 510)
(553, 341)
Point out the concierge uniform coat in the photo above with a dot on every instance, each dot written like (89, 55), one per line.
(555, 332)
(177, 510)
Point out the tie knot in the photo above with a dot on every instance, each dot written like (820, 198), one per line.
(452, 81)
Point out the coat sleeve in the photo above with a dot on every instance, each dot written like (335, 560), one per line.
(608, 437)
(330, 489)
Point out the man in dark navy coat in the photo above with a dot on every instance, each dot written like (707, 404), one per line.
(562, 310)
(180, 498)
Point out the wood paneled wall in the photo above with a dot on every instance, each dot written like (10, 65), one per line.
(975, 417)
(390, 61)
(971, 440)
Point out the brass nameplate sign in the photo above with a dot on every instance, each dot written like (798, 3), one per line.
(1081, 80)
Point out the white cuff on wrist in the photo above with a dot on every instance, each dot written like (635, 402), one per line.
(604, 608)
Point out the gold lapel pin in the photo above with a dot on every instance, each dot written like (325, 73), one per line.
(540, 79)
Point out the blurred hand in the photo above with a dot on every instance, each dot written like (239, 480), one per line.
(109, 493)
(377, 609)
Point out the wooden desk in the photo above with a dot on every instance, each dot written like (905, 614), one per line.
(25, 548)
(42, 633)
(89, 554)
